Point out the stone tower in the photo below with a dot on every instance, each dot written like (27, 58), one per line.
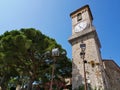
(83, 31)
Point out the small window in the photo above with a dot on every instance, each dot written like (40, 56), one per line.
(79, 17)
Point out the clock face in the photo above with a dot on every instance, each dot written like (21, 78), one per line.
(81, 26)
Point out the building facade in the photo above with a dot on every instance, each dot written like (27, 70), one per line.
(83, 31)
(112, 71)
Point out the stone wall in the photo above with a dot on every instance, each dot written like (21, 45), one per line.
(112, 71)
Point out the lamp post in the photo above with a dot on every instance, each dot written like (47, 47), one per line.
(88, 82)
(82, 54)
(55, 53)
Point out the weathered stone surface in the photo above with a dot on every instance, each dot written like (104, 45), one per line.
(112, 71)
(100, 74)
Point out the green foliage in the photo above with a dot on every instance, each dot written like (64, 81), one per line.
(22, 53)
(80, 88)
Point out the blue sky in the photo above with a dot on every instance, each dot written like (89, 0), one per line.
(52, 18)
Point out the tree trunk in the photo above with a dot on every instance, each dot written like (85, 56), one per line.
(29, 87)
(18, 87)
(4, 79)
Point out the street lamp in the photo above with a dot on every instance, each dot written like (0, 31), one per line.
(55, 53)
(82, 54)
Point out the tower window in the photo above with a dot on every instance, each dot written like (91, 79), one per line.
(79, 16)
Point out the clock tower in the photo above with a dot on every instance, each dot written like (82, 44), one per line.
(83, 31)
